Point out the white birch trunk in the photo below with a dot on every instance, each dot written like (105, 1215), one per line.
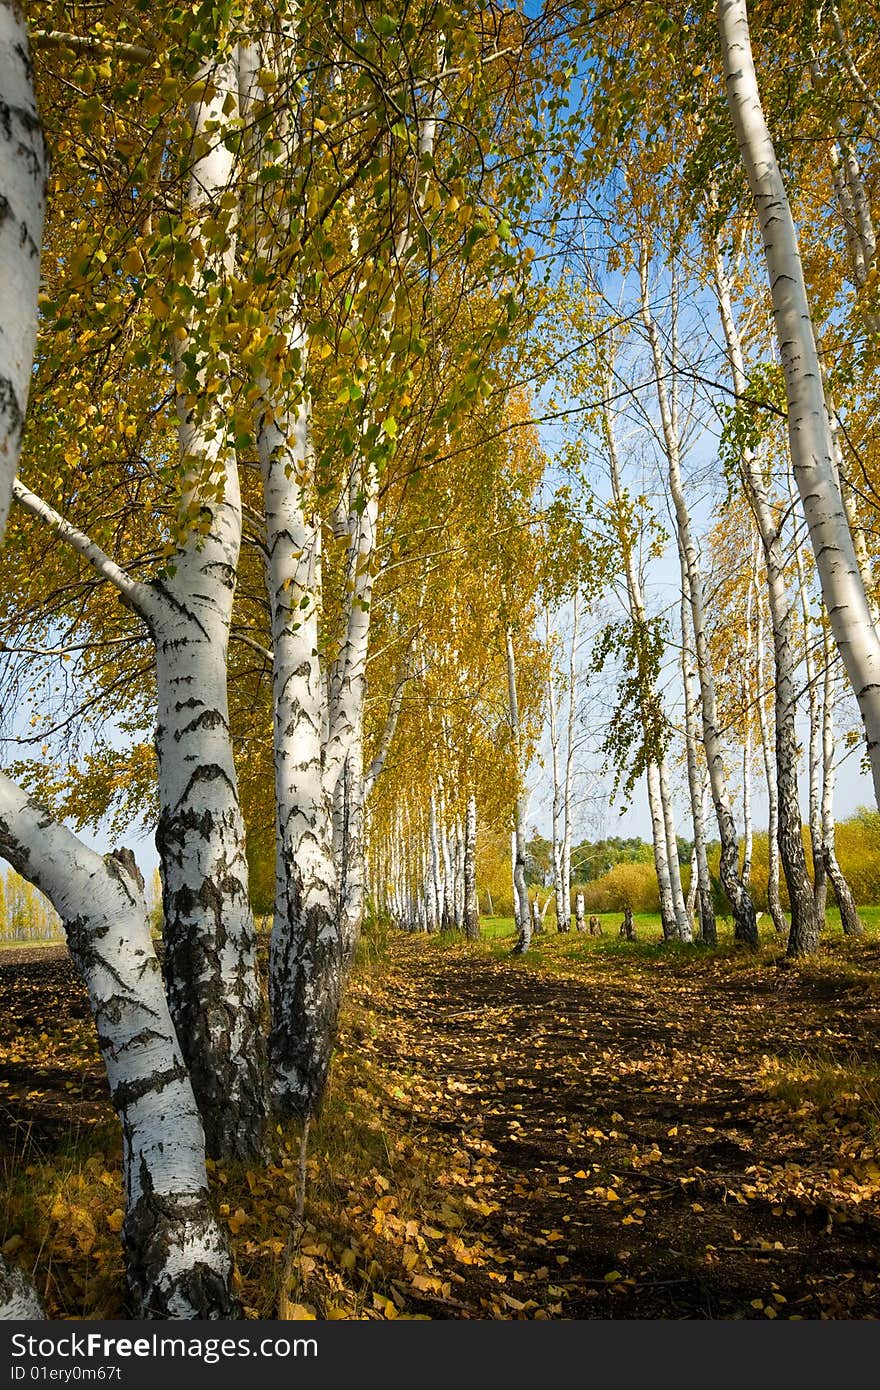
(701, 879)
(673, 910)
(178, 1260)
(305, 956)
(569, 763)
(471, 900)
(521, 892)
(814, 744)
(448, 915)
(19, 1301)
(343, 766)
(748, 838)
(661, 851)
(744, 922)
(679, 907)
(844, 593)
(774, 905)
(459, 874)
(580, 920)
(23, 173)
(849, 917)
(343, 754)
(556, 837)
(210, 956)
(785, 800)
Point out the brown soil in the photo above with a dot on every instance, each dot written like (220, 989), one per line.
(611, 1134)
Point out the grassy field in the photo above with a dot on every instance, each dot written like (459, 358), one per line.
(649, 929)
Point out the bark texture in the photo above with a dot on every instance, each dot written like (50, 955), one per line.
(177, 1257)
(18, 1297)
(808, 427)
(785, 810)
(471, 900)
(23, 173)
(210, 958)
(745, 926)
(521, 892)
(849, 916)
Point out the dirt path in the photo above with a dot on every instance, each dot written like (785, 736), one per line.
(640, 1150)
(591, 1132)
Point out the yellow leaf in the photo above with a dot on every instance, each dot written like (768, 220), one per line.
(237, 1220)
(295, 1312)
(115, 1219)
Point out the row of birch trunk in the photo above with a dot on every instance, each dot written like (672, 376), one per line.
(191, 1071)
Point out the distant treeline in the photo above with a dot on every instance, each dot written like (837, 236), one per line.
(25, 915)
(615, 873)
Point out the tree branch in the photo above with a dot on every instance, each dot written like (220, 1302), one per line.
(54, 38)
(137, 595)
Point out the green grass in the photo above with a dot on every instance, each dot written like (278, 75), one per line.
(498, 934)
(10, 945)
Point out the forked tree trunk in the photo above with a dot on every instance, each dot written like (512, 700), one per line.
(784, 798)
(305, 956)
(177, 1257)
(810, 442)
(22, 206)
(210, 957)
(745, 927)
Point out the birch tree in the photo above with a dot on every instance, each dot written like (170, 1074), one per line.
(785, 808)
(522, 908)
(177, 1259)
(808, 426)
(849, 917)
(186, 607)
(745, 926)
(639, 649)
(22, 206)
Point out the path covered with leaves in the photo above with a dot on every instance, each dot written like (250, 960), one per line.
(646, 1133)
(599, 1130)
